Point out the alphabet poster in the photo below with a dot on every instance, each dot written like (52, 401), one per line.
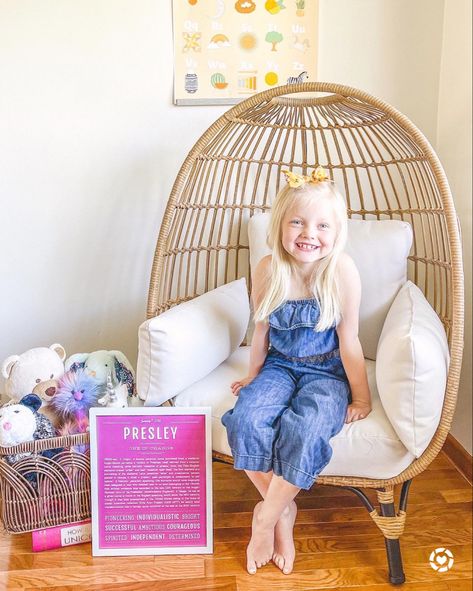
(151, 473)
(228, 50)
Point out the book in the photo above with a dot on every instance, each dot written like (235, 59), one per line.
(49, 538)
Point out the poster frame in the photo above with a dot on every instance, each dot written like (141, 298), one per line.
(235, 97)
(97, 550)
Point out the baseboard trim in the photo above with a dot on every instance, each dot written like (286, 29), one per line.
(459, 456)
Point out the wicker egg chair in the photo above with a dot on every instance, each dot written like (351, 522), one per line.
(387, 170)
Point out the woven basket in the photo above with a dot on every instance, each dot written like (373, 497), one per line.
(39, 492)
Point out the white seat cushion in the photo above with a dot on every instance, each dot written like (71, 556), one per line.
(187, 342)
(367, 448)
(379, 249)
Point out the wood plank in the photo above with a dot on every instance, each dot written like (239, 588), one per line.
(243, 490)
(326, 502)
(430, 586)
(438, 510)
(112, 572)
(361, 558)
(317, 530)
(458, 495)
(459, 585)
(219, 584)
(341, 578)
(355, 543)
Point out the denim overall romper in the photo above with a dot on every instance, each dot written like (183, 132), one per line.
(283, 420)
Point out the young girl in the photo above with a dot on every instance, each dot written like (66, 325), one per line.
(307, 373)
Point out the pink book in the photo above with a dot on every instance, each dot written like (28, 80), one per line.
(62, 535)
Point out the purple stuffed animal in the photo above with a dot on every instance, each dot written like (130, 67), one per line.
(77, 392)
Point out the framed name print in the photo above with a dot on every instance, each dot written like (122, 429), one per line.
(228, 50)
(151, 477)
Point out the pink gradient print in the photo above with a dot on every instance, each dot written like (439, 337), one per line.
(152, 470)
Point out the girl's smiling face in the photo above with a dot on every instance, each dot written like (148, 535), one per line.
(309, 229)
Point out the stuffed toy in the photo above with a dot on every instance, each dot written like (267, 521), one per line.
(36, 371)
(115, 397)
(99, 363)
(77, 392)
(74, 427)
(22, 422)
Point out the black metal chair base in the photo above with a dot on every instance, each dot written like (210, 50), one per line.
(393, 547)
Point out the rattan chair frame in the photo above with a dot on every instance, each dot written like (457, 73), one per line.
(429, 206)
(388, 170)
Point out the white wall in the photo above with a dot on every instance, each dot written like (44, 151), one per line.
(89, 147)
(454, 149)
(90, 144)
(388, 48)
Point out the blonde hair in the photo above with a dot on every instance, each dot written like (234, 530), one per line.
(323, 282)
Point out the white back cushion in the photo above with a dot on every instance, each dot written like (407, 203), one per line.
(187, 342)
(379, 249)
(411, 368)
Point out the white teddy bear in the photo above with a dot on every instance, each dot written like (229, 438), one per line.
(22, 422)
(36, 371)
(17, 424)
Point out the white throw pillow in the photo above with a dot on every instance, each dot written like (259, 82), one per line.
(379, 249)
(411, 368)
(187, 342)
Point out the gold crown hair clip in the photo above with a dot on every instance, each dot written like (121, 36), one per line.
(295, 180)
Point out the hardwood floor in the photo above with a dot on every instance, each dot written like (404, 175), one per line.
(338, 546)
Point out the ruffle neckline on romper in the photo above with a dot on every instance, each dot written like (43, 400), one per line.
(295, 314)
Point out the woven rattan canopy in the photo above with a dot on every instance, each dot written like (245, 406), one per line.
(379, 159)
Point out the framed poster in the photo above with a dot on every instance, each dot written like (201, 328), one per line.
(227, 50)
(151, 476)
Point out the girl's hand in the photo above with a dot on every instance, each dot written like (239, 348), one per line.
(239, 384)
(357, 410)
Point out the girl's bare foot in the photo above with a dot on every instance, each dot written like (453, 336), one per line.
(284, 550)
(261, 546)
